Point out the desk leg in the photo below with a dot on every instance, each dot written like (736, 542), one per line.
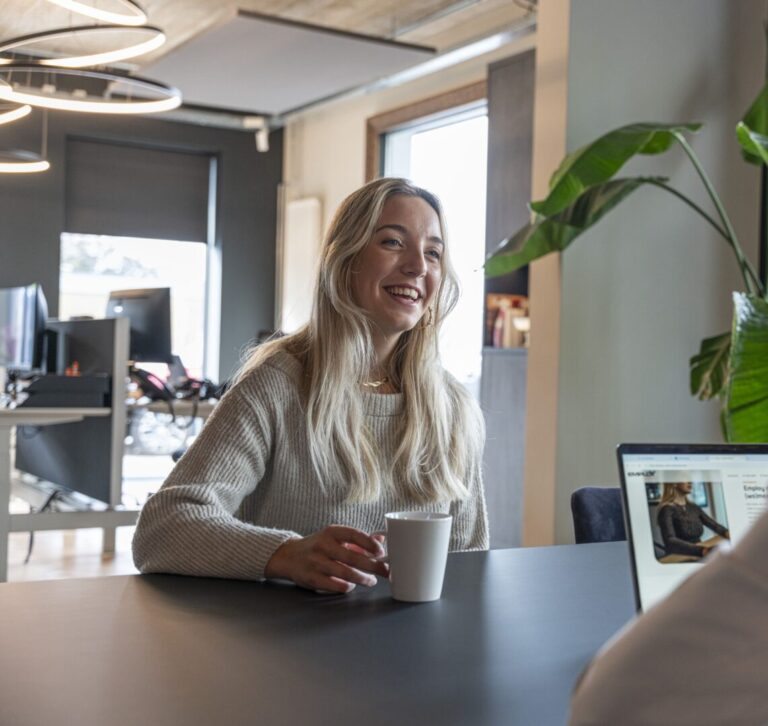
(5, 498)
(108, 540)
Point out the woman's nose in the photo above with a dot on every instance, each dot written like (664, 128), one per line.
(414, 264)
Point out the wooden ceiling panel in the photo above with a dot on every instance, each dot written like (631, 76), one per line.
(436, 23)
(439, 24)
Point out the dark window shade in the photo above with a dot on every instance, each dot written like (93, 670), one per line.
(134, 191)
(510, 159)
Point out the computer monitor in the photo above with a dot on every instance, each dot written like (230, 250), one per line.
(149, 311)
(23, 315)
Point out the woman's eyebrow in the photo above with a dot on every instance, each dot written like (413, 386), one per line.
(403, 230)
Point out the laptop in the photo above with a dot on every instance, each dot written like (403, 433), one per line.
(684, 501)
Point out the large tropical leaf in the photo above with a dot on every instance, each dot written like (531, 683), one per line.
(752, 130)
(599, 161)
(709, 368)
(746, 405)
(554, 234)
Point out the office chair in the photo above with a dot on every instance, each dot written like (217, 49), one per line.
(597, 515)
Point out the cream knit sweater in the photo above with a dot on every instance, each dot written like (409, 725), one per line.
(246, 485)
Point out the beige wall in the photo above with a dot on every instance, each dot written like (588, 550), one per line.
(549, 143)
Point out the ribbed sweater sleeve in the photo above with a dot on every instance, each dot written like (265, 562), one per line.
(470, 516)
(189, 526)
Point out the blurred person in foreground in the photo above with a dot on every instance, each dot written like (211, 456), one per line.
(698, 658)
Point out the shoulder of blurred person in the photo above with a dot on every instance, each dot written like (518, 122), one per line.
(698, 657)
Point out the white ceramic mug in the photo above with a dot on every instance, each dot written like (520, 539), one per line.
(417, 549)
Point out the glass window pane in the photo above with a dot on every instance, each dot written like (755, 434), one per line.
(94, 265)
(449, 157)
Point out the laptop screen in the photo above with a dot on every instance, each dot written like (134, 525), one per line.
(682, 502)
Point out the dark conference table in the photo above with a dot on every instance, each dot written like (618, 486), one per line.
(504, 645)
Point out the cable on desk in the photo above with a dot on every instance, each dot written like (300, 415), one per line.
(46, 505)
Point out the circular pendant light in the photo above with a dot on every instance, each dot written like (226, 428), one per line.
(128, 11)
(14, 114)
(21, 162)
(149, 37)
(141, 94)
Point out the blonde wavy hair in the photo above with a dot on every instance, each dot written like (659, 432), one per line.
(669, 494)
(442, 430)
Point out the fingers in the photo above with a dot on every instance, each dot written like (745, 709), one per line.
(336, 559)
(359, 559)
(355, 548)
(331, 576)
(350, 574)
(356, 536)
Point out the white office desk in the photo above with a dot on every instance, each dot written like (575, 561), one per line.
(183, 407)
(9, 418)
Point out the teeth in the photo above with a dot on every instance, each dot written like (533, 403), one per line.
(405, 291)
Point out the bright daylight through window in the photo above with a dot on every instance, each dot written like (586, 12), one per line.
(448, 157)
(94, 265)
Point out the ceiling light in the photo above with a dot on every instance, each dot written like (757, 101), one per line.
(13, 115)
(141, 97)
(134, 15)
(21, 162)
(156, 39)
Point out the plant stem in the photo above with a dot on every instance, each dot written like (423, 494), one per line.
(751, 280)
(694, 206)
(764, 227)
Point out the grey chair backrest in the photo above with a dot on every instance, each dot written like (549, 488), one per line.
(597, 515)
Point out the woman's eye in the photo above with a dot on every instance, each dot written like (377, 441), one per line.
(392, 242)
(434, 254)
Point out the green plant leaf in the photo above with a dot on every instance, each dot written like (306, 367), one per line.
(709, 368)
(599, 161)
(746, 403)
(554, 234)
(752, 130)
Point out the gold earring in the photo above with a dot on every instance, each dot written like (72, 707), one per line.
(425, 324)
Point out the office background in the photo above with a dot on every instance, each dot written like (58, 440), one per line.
(614, 322)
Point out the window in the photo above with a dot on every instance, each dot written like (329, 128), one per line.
(447, 155)
(94, 265)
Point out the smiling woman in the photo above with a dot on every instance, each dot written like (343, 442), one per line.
(398, 273)
(327, 430)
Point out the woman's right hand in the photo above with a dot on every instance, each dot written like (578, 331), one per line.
(335, 559)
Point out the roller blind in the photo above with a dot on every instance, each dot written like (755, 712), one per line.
(136, 191)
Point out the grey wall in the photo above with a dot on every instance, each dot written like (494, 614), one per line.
(32, 212)
(645, 286)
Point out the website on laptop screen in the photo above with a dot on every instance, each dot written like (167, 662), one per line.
(683, 506)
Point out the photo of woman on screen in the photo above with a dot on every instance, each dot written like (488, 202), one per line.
(682, 523)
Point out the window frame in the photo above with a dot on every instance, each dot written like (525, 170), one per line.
(394, 119)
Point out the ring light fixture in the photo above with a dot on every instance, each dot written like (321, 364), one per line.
(21, 162)
(14, 114)
(132, 13)
(155, 40)
(46, 94)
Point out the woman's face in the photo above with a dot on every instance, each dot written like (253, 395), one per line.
(396, 276)
(685, 487)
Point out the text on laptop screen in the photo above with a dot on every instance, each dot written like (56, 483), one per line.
(682, 506)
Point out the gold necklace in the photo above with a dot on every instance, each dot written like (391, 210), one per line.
(376, 384)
